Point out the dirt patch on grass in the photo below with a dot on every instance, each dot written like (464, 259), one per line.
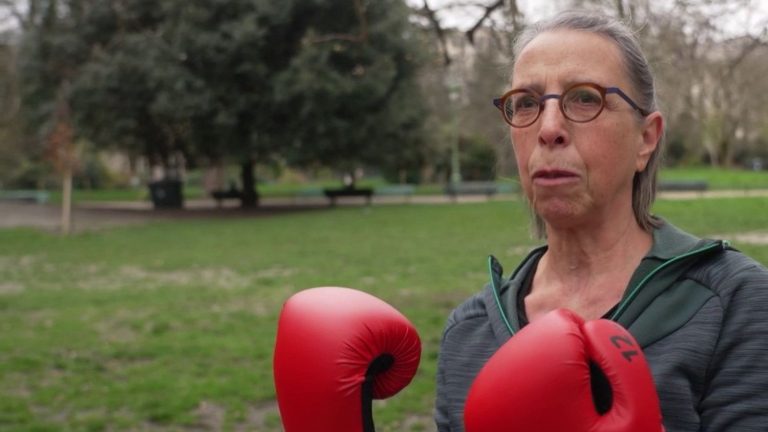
(11, 288)
(95, 216)
(8, 263)
(211, 416)
(263, 417)
(754, 237)
(759, 238)
(421, 423)
(135, 277)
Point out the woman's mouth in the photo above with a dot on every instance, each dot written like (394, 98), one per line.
(554, 177)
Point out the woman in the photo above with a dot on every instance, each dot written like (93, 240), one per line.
(587, 136)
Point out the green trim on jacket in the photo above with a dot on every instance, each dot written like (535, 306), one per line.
(658, 299)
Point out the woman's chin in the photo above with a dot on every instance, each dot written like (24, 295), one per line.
(558, 213)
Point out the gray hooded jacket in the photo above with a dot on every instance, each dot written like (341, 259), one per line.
(698, 308)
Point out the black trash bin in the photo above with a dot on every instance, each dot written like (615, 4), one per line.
(166, 194)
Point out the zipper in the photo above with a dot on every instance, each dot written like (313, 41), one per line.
(624, 304)
(495, 288)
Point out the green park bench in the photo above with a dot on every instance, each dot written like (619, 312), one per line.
(225, 194)
(487, 188)
(403, 190)
(334, 194)
(25, 195)
(506, 188)
(309, 192)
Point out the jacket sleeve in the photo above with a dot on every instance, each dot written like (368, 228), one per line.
(442, 418)
(736, 398)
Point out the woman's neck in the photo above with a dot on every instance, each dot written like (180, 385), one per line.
(586, 271)
(582, 257)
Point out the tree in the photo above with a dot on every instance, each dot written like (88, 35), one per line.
(709, 76)
(184, 83)
(52, 56)
(308, 81)
(708, 70)
(135, 96)
(13, 166)
(350, 94)
(234, 50)
(473, 69)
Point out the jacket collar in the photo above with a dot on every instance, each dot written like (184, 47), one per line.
(504, 317)
(670, 241)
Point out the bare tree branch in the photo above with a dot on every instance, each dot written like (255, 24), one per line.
(429, 13)
(746, 50)
(488, 11)
(483, 21)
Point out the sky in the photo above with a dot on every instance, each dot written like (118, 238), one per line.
(753, 16)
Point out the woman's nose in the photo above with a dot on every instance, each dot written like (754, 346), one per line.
(552, 129)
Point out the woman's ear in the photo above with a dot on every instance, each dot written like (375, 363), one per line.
(653, 128)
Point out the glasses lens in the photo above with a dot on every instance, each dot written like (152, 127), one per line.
(521, 108)
(582, 103)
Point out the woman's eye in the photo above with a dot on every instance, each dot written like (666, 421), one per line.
(583, 97)
(526, 103)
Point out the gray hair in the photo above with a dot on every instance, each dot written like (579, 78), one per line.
(641, 78)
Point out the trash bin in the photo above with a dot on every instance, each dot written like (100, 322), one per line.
(166, 194)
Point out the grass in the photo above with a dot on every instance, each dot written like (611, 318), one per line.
(171, 326)
(719, 178)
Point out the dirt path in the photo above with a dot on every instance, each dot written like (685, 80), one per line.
(89, 216)
(98, 216)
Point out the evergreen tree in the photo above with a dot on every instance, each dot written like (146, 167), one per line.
(349, 94)
(327, 82)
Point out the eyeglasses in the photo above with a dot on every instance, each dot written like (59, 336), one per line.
(580, 103)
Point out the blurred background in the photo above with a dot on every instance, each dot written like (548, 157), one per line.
(249, 93)
(194, 148)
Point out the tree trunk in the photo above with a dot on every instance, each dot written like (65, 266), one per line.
(249, 197)
(66, 201)
(726, 153)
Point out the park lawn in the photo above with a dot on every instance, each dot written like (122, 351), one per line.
(718, 178)
(171, 326)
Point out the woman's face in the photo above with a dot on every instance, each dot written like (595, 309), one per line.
(577, 173)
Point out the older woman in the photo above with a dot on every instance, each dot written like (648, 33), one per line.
(587, 135)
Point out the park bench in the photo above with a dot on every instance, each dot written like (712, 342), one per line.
(225, 194)
(472, 188)
(308, 195)
(506, 188)
(310, 192)
(404, 190)
(683, 185)
(334, 194)
(26, 195)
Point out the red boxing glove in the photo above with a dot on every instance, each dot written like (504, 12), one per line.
(336, 349)
(562, 374)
